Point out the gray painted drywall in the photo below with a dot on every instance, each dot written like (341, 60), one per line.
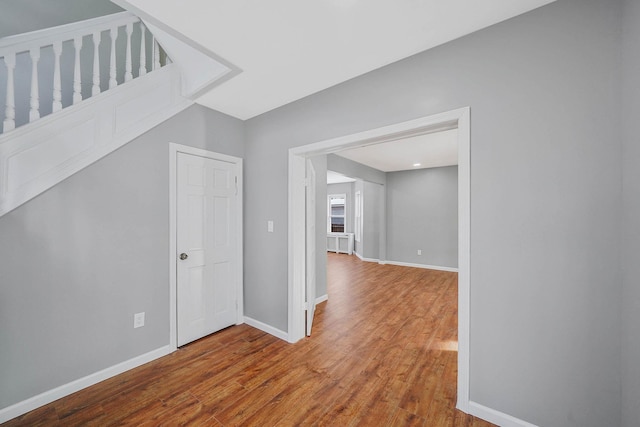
(545, 199)
(372, 220)
(630, 235)
(22, 16)
(422, 213)
(80, 259)
(353, 169)
(345, 188)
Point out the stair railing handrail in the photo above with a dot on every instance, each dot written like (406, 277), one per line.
(46, 37)
(34, 41)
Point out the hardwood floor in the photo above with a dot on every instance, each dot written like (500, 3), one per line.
(382, 353)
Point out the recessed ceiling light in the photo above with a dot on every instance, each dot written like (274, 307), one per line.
(415, 165)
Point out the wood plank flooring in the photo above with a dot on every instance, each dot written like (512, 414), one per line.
(383, 353)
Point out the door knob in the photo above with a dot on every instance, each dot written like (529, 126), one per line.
(183, 256)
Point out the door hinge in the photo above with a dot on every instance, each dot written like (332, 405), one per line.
(236, 181)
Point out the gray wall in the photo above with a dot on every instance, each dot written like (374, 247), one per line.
(79, 260)
(373, 225)
(345, 188)
(422, 213)
(630, 235)
(545, 205)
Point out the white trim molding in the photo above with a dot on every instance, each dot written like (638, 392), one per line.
(408, 264)
(496, 417)
(459, 119)
(49, 396)
(266, 328)
(365, 259)
(37, 156)
(174, 149)
(202, 69)
(464, 255)
(322, 298)
(425, 266)
(296, 326)
(368, 259)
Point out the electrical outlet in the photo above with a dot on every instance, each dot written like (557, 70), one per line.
(270, 226)
(138, 320)
(419, 251)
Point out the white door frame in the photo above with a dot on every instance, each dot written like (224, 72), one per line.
(310, 245)
(174, 149)
(459, 119)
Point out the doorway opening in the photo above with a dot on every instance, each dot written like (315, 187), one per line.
(459, 119)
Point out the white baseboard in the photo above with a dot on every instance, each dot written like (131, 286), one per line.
(266, 328)
(496, 417)
(322, 298)
(49, 396)
(429, 267)
(408, 264)
(366, 259)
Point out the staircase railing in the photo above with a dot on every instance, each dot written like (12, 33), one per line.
(48, 70)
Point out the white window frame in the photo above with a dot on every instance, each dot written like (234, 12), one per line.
(358, 216)
(329, 214)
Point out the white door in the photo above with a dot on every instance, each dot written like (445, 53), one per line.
(311, 244)
(206, 216)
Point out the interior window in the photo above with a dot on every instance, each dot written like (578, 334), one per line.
(337, 213)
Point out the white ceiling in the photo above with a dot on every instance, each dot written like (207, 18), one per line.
(418, 152)
(288, 49)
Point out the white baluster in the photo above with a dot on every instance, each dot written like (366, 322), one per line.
(77, 78)
(10, 111)
(95, 89)
(57, 83)
(128, 75)
(34, 112)
(156, 54)
(112, 62)
(143, 51)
